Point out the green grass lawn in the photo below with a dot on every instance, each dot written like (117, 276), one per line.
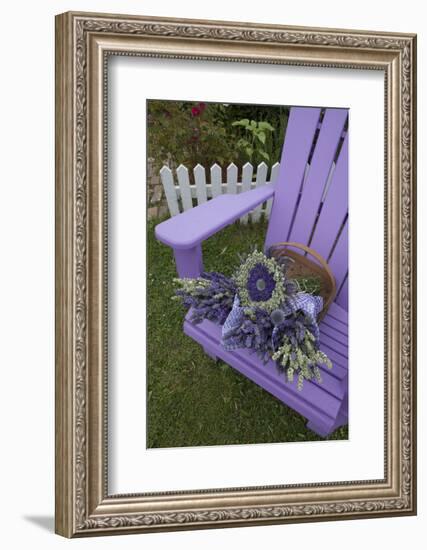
(193, 400)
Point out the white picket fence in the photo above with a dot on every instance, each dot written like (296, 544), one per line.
(181, 195)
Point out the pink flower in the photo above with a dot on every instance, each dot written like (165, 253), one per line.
(195, 111)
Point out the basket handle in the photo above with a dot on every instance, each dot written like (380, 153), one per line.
(321, 261)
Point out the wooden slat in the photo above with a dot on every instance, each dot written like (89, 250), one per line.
(232, 178)
(197, 224)
(338, 373)
(337, 359)
(200, 179)
(169, 188)
(339, 362)
(339, 259)
(333, 344)
(342, 298)
(314, 401)
(299, 137)
(184, 187)
(334, 208)
(261, 178)
(335, 334)
(321, 162)
(330, 382)
(273, 178)
(335, 325)
(216, 179)
(337, 312)
(247, 173)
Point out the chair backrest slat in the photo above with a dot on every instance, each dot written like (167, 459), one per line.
(338, 261)
(311, 199)
(342, 297)
(300, 132)
(335, 207)
(320, 166)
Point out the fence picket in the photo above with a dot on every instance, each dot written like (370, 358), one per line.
(184, 187)
(200, 179)
(216, 179)
(202, 191)
(232, 178)
(261, 178)
(166, 177)
(247, 173)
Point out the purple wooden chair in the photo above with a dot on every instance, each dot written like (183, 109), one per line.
(310, 206)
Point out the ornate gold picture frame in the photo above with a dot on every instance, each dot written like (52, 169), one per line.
(84, 42)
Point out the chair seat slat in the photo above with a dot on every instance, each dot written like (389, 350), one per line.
(335, 334)
(338, 313)
(337, 360)
(313, 401)
(336, 325)
(333, 344)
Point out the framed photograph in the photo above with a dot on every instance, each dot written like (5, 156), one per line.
(235, 274)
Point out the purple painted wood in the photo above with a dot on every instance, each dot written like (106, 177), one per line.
(337, 325)
(331, 384)
(338, 313)
(335, 207)
(320, 166)
(299, 137)
(339, 259)
(319, 403)
(194, 226)
(335, 334)
(336, 359)
(324, 429)
(189, 262)
(332, 343)
(338, 371)
(331, 324)
(342, 298)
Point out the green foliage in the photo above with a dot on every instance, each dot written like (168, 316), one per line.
(187, 133)
(256, 140)
(276, 116)
(190, 133)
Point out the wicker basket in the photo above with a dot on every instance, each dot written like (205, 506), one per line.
(304, 266)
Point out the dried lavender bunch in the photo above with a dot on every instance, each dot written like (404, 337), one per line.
(252, 329)
(209, 296)
(299, 351)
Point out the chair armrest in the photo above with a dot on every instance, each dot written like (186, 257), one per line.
(190, 228)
